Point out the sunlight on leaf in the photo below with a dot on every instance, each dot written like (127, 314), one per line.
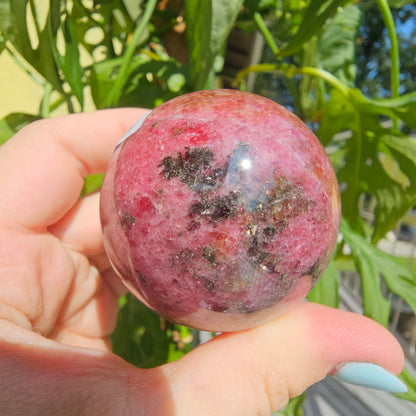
(392, 168)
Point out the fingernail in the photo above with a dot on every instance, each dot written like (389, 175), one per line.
(134, 128)
(369, 375)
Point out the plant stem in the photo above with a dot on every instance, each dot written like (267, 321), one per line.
(22, 63)
(290, 71)
(263, 68)
(58, 102)
(326, 76)
(268, 37)
(354, 183)
(45, 103)
(394, 50)
(123, 73)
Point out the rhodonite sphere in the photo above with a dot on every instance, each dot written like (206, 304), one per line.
(219, 210)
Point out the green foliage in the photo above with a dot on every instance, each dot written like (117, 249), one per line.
(408, 379)
(294, 407)
(336, 44)
(13, 122)
(374, 159)
(92, 183)
(209, 23)
(326, 291)
(115, 53)
(315, 16)
(145, 339)
(399, 3)
(13, 25)
(139, 337)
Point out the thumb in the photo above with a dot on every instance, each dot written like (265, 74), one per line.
(258, 370)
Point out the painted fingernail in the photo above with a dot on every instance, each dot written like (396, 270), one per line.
(369, 375)
(134, 128)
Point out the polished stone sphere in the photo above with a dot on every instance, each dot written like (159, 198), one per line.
(220, 209)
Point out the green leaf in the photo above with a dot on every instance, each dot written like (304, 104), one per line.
(92, 183)
(337, 43)
(293, 408)
(167, 81)
(338, 117)
(198, 16)
(209, 23)
(372, 264)
(69, 61)
(316, 14)
(410, 382)
(149, 82)
(139, 337)
(370, 159)
(2, 43)
(392, 169)
(326, 290)
(395, 186)
(12, 123)
(403, 107)
(13, 18)
(399, 3)
(312, 89)
(103, 74)
(117, 89)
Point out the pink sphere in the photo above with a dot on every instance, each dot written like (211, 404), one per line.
(220, 210)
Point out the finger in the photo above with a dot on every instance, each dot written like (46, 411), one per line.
(42, 167)
(80, 231)
(88, 315)
(257, 371)
(80, 228)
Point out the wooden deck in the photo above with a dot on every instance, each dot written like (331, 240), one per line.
(332, 398)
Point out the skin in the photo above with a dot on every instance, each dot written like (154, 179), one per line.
(58, 304)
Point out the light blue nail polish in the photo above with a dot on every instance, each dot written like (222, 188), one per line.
(369, 375)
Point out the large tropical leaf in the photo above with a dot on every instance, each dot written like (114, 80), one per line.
(334, 51)
(371, 157)
(336, 44)
(316, 14)
(139, 337)
(36, 48)
(68, 61)
(373, 265)
(208, 24)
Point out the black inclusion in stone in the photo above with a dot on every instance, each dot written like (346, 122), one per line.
(193, 167)
(217, 208)
(127, 221)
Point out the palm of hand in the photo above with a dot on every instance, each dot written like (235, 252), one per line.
(55, 276)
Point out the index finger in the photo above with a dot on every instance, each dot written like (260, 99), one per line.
(43, 166)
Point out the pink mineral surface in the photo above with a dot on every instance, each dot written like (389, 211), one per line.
(220, 211)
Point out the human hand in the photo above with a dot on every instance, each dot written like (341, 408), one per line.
(58, 304)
